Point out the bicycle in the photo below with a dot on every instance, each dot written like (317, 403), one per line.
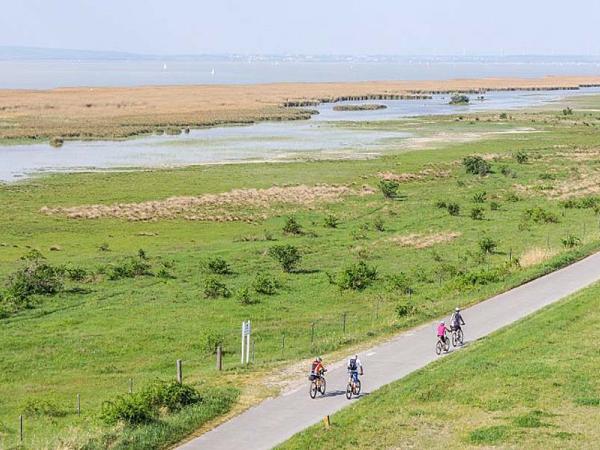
(353, 387)
(317, 385)
(457, 337)
(442, 346)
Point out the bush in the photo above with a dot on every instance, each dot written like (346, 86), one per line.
(331, 221)
(441, 204)
(129, 268)
(453, 209)
(214, 288)
(477, 213)
(459, 99)
(512, 197)
(480, 197)
(75, 273)
(291, 226)
(591, 202)
(218, 266)
(494, 206)
(357, 276)
(288, 256)
(379, 224)
(144, 407)
(476, 165)
(42, 407)
(570, 241)
(540, 215)
(34, 277)
(503, 116)
(487, 245)
(399, 282)
(265, 284)
(508, 172)
(210, 340)
(567, 111)
(404, 309)
(521, 157)
(389, 188)
(243, 296)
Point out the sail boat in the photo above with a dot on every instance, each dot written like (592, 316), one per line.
(212, 72)
(164, 66)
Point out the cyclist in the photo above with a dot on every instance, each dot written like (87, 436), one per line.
(456, 321)
(441, 332)
(317, 370)
(354, 366)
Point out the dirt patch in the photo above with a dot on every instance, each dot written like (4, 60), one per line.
(447, 138)
(583, 182)
(417, 240)
(222, 207)
(536, 255)
(421, 175)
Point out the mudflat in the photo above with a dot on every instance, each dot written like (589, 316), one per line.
(91, 113)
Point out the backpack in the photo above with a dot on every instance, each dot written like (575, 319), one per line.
(352, 364)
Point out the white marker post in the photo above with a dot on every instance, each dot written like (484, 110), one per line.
(245, 342)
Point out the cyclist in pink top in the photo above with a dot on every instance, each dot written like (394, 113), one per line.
(441, 331)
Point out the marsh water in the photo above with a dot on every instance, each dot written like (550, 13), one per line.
(323, 136)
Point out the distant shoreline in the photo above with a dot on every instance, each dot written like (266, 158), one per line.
(121, 112)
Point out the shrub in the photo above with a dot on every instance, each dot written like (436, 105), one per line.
(521, 157)
(441, 204)
(399, 282)
(379, 224)
(591, 202)
(34, 277)
(357, 276)
(459, 99)
(487, 245)
(43, 407)
(287, 256)
(404, 309)
(477, 213)
(75, 273)
(567, 111)
(265, 284)
(214, 288)
(331, 221)
(476, 165)
(494, 206)
(508, 172)
(389, 188)
(547, 176)
(128, 268)
(210, 340)
(128, 409)
(218, 266)
(540, 215)
(512, 197)
(480, 197)
(292, 226)
(243, 296)
(570, 241)
(453, 209)
(503, 116)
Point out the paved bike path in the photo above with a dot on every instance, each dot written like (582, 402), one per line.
(277, 419)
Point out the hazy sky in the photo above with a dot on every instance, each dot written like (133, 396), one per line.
(306, 26)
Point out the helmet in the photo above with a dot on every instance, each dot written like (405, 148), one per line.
(442, 323)
(457, 309)
(319, 359)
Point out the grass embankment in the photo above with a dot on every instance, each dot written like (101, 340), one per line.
(533, 385)
(113, 113)
(364, 107)
(96, 334)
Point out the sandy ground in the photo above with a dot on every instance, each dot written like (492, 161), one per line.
(119, 112)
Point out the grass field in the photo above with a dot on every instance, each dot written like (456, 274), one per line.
(98, 333)
(533, 385)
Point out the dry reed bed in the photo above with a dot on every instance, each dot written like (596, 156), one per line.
(417, 240)
(221, 207)
(120, 112)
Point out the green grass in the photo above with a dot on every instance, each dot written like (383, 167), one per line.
(91, 339)
(519, 388)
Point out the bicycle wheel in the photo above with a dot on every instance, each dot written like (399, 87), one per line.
(349, 391)
(313, 389)
(357, 387)
(323, 386)
(438, 348)
(454, 339)
(447, 345)
(460, 337)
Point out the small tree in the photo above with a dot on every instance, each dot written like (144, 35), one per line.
(35, 277)
(357, 276)
(218, 266)
(292, 226)
(476, 165)
(487, 245)
(287, 256)
(389, 188)
(521, 157)
(265, 284)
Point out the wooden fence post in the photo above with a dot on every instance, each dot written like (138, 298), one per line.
(21, 429)
(219, 358)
